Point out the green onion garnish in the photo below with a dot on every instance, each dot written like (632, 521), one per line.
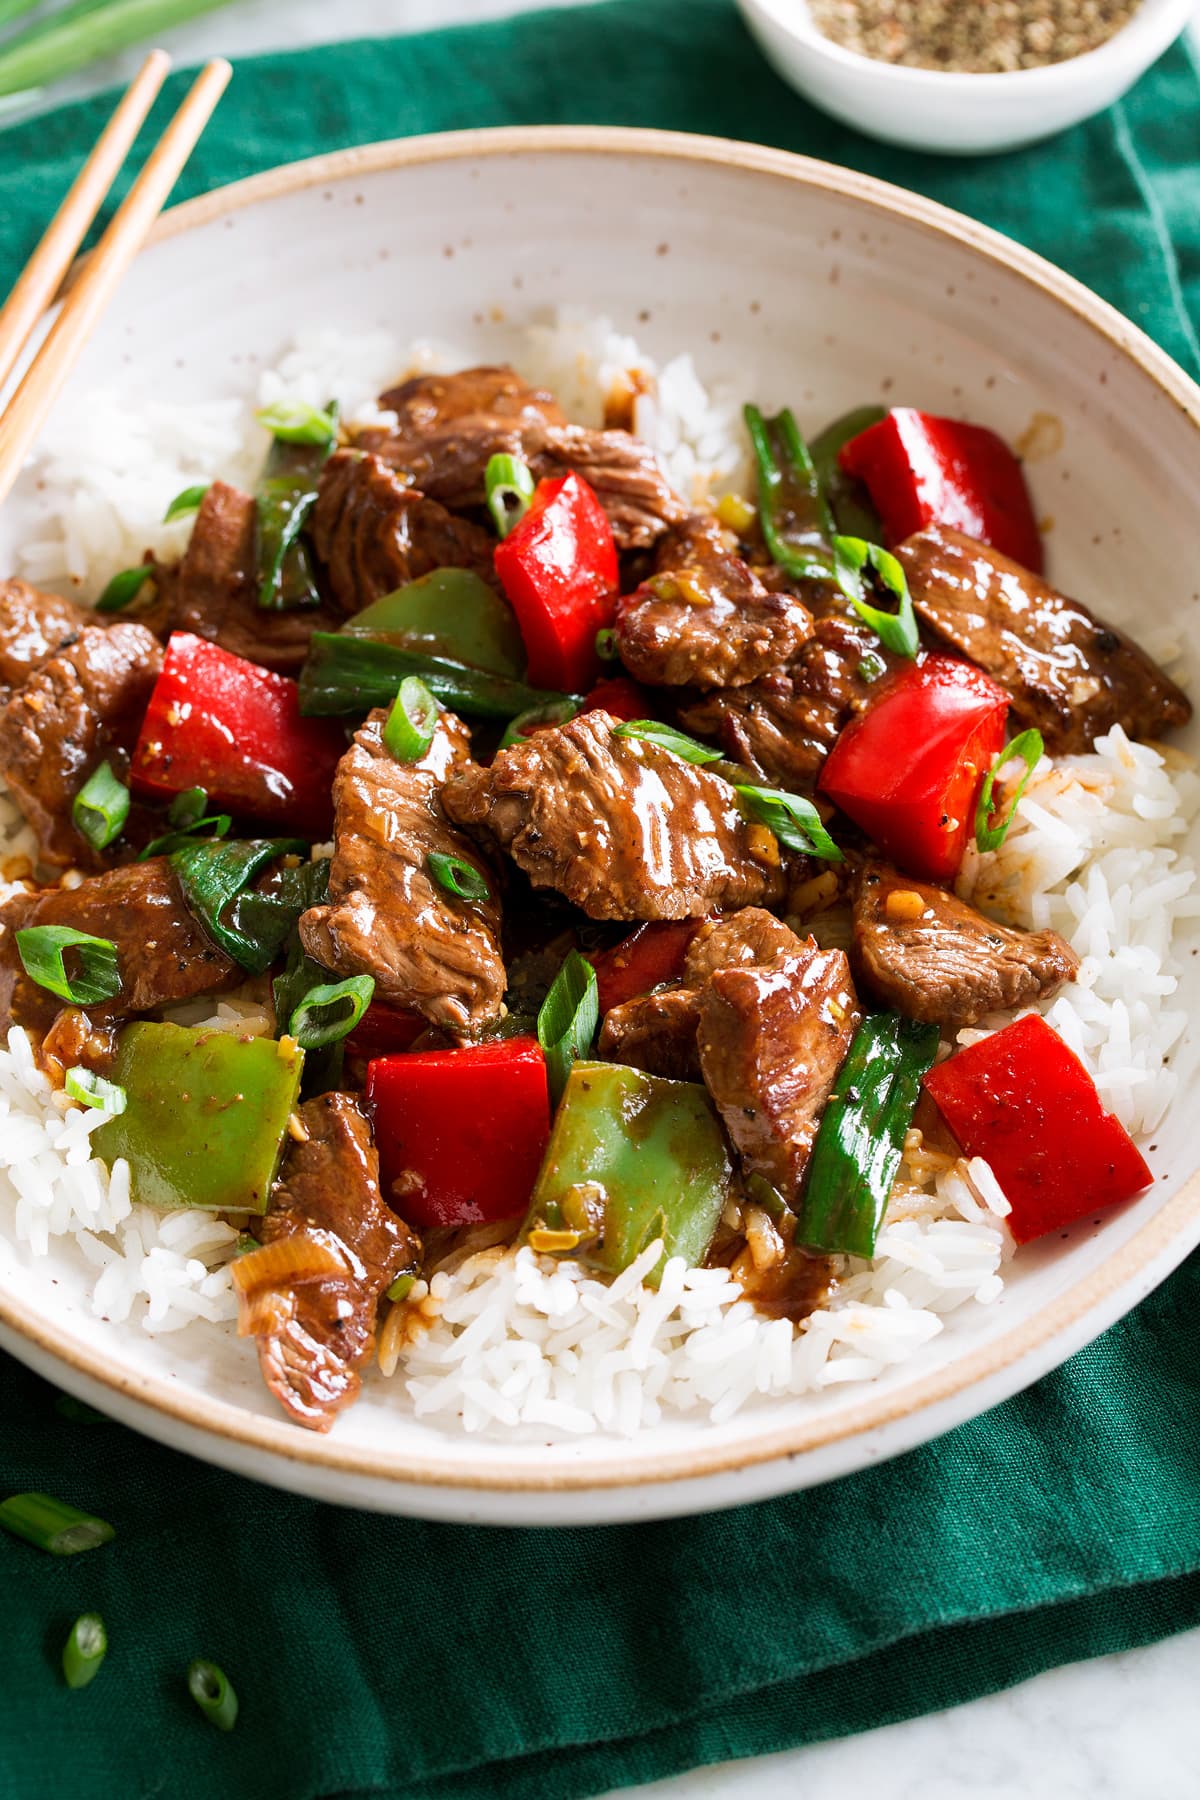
(871, 667)
(53, 1525)
(216, 825)
(41, 948)
(792, 512)
(1028, 746)
(458, 877)
(412, 721)
(667, 738)
(295, 422)
(567, 1021)
(124, 587)
(557, 712)
(100, 808)
(401, 1287)
(509, 485)
(898, 630)
(187, 809)
(209, 1687)
(606, 645)
(215, 877)
(329, 1013)
(795, 821)
(91, 1089)
(84, 1650)
(189, 501)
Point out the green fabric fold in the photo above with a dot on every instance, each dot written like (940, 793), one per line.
(397, 1658)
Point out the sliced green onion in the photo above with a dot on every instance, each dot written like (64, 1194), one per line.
(795, 821)
(898, 630)
(329, 1013)
(667, 738)
(78, 1411)
(606, 645)
(214, 874)
(100, 808)
(209, 1687)
(124, 587)
(41, 948)
(52, 1525)
(567, 1021)
(555, 712)
(792, 513)
(187, 808)
(349, 674)
(295, 422)
(457, 876)
(91, 1089)
(84, 1650)
(1028, 746)
(215, 826)
(189, 501)
(871, 667)
(412, 721)
(401, 1288)
(509, 485)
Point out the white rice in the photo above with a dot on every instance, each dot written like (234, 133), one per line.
(529, 1346)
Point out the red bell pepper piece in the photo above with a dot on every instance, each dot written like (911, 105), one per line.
(234, 729)
(620, 696)
(909, 769)
(558, 567)
(1025, 1103)
(384, 1030)
(921, 471)
(461, 1133)
(650, 955)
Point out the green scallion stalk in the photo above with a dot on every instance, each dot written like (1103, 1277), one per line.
(846, 498)
(897, 630)
(210, 1688)
(652, 731)
(84, 1650)
(566, 1024)
(80, 34)
(606, 645)
(556, 712)
(188, 808)
(509, 486)
(1029, 747)
(189, 501)
(795, 520)
(401, 1288)
(347, 674)
(795, 821)
(128, 583)
(92, 1090)
(216, 825)
(52, 1525)
(412, 721)
(41, 949)
(213, 874)
(296, 422)
(871, 667)
(330, 1012)
(100, 808)
(458, 877)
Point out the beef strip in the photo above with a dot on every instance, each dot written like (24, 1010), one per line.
(704, 619)
(83, 705)
(163, 954)
(329, 1187)
(386, 915)
(373, 533)
(428, 401)
(932, 957)
(33, 626)
(213, 590)
(1066, 671)
(625, 474)
(750, 939)
(771, 1044)
(622, 828)
(784, 724)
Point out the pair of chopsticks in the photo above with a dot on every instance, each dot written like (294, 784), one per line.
(98, 277)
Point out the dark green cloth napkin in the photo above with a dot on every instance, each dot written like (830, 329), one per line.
(400, 1659)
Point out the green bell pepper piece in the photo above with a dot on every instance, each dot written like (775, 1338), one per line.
(642, 1157)
(205, 1115)
(285, 496)
(450, 613)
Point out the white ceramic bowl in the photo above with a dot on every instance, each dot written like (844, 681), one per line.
(767, 268)
(925, 109)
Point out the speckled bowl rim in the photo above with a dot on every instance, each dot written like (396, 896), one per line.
(1160, 1245)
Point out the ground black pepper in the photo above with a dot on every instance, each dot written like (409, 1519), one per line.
(971, 36)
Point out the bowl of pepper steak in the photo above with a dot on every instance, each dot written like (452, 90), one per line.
(601, 920)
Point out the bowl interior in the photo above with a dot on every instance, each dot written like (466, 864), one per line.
(791, 284)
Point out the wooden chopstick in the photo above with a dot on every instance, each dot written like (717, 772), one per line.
(43, 273)
(40, 385)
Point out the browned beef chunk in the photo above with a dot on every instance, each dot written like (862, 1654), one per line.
(771, 1044)
(213, 591)
(750, 939)
(387, 915)
(323, 1331)
(1066, 671)
(934, 958)
(655, 1032)
(33, 626)
(373, 533)
(704, 619)
(163, 954)
(620, 827)
(427, 401)
(784, 724)
(626, 475)
(85, 703)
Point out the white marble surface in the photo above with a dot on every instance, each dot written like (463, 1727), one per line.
(1118, 1728)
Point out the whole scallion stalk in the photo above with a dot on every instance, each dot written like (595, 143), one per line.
(80, 34)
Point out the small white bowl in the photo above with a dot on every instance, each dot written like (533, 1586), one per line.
(926, 109)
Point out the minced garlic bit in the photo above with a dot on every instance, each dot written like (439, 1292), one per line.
(904, 904)
(985, 37)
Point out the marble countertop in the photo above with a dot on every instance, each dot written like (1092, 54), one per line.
(1118, 1728)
